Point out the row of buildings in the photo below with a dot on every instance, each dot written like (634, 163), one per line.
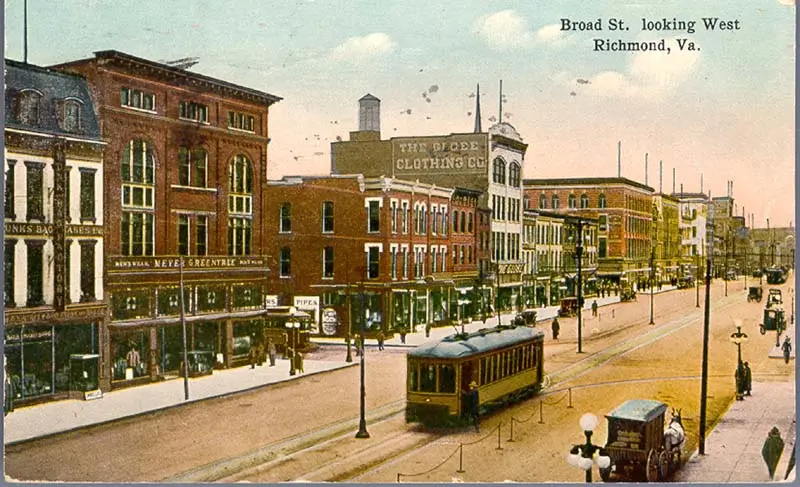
(137, 201)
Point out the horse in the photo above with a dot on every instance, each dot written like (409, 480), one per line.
(674, 435)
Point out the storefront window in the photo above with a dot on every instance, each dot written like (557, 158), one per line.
(130, 350)
(402, 309)
(169, 301)
(421, 310)
(29, 351)
(438, 306)
(246, 334)
(171, 348)
(72, 339)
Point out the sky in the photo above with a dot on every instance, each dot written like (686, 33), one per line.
(722, 112)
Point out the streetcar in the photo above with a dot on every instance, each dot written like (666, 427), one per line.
(505, 363)
(776, 275)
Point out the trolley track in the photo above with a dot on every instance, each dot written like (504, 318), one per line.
(307, 451)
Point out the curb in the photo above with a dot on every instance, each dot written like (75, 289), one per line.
(165, 408)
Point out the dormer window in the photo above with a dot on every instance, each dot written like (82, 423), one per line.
(71, 121)
(28, 102)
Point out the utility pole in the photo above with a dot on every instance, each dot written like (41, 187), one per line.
(706, 323)
(578, 255)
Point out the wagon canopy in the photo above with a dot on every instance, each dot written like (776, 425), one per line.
(644, 410)
(483, 340)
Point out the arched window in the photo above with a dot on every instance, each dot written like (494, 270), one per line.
(514, 175)
(571, 201)
(240, 205)
(499, 171)
(584, 201)
(28, 106)
(138, 198)
(601, 201)
(555, 202)
(542, 201)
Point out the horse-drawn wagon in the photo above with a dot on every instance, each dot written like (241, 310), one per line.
(755, 293)
(774, 320)
(638, 444)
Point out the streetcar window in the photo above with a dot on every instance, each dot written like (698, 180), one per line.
(427, 381)
(484, 371)
(447, 378)
(412, 376)
(520, 365)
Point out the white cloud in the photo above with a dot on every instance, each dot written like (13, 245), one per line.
(359, 48)
(504, 30)
(649, 74)
(549, 33)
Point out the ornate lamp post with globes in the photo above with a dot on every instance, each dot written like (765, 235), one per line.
(584, 455)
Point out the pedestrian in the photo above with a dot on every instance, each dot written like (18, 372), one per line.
(260, 354)
(253, 357)
(8, 392)
(787, 349)
(748, 379)
(739, 376)
(427, 330)
(594, 308)
(556, 328)
(381, 339)
(403, 332)
(474, 403)
(772, 450)
(272, 351)
(298, 362)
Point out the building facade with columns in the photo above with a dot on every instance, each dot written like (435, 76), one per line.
(185, 167)
(54, 308)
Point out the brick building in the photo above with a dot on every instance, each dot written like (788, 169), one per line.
(490, 162)
(54, 307)
(410, 249)
(186, 162)
(623, 209)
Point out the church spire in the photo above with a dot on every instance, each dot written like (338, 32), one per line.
(478, 110)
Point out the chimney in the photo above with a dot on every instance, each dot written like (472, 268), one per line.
(369, 114)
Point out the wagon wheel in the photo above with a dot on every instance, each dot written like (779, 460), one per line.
(664, 464)
(651, 470)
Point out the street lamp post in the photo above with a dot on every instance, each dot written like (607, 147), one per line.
(697, 279)
(578, 256)
(738, 338)
(585, 454)
(652, 280)
(362, 423)
(292, 325)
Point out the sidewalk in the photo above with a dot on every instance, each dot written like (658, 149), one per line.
(418, 337)
(733, 448)
(55, 417)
